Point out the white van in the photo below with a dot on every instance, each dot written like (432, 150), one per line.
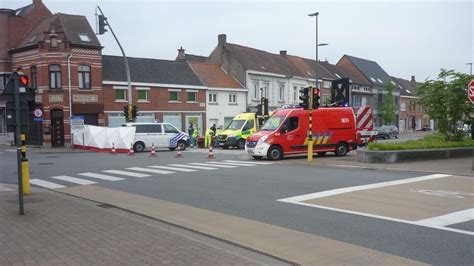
(162, 135)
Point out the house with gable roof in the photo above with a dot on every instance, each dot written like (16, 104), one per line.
(411, 112)
(377, 77)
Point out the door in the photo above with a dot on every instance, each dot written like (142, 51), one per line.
(35, 132)
(57, 131)
(291, 135)
(170, 131)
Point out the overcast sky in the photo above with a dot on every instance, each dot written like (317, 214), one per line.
(405, 37)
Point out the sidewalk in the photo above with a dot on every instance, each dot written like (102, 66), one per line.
(62, 230)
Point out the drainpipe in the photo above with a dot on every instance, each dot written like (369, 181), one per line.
(70, 96)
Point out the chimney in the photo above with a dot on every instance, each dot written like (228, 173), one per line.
(283, 52)
(221, 39)
(36, 2)
(181, 56)
(413, 81)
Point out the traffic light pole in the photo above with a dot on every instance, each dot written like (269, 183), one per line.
(127, 69)
(18, 143)
(310, 131)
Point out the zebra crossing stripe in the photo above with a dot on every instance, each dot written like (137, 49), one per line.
(103, 177)
(234, 164)
(173, 168)
(194, 166)
(45, 184)
(214, 165)
(249, 162)
(3, 188)
(148, 170)
(74, 180)
(127, 173)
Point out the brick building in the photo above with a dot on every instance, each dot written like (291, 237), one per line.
(62, 56)
(411, 112)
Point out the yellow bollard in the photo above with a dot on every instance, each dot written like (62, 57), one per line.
(25, 171)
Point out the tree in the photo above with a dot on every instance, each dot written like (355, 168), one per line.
(388, 105)
(445, 100)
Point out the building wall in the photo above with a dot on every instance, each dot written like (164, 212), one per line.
(222, 111)
(411, 114)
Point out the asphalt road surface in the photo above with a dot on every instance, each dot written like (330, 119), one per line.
(351, 205)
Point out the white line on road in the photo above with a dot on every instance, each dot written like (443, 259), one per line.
(3, 188)
(74, 180)
(338, 191)
(450, 218)
(45, 184)
(215, 165)
(194, 166)
(249, 162)
(148, 170)
(173, 168)
(103, 177)
(234, 164)
(127, 173)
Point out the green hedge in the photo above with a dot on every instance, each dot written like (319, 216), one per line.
(432, 141)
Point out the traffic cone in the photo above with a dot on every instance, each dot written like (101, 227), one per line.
(179, 153)
(152, 152)
(130, 151)
(113, 151)
(211, 153)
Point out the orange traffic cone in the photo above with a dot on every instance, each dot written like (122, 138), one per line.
(152, 152)
(113, 151)
(211, 153)
(130, 151)
(179, 153)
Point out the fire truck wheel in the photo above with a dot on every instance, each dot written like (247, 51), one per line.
(275, 153)
(341, 149)
(241, 144)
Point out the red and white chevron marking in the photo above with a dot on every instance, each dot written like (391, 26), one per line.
(364, 118)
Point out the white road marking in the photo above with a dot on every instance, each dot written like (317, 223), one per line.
(346, 166)
(3, 188)
(148, 170)
(173, 168)
(127, 173)
(45, 184)
(250, 162)
(103, 177)
(74, 180)
(11, 150)
(338, 191)
(234, 164)
(194, 166)
(450, 218)
(215, 165)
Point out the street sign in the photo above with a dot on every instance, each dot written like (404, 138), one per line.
(38, 119)
(38, 113)
(77, 123)
(470, 91)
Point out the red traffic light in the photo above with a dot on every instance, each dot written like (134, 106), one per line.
(317, 91)
(24, 80)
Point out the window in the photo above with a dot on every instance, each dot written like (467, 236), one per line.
(371, 78)
(232, 98)
(33, 77)
(142, 95)
(265, 90)
(337, 75)
(55, 76)
(192, 96)
(84, 77)
(290, 124)
(255, 90)
(120, 94)
(54, 41)
(170, 129)
(326, 99)
(84, 38)
(174, 96)
(295, 94)
(249, 125)
(327, 84)
(148, 128)
(281, 94)
(356, 100)
(403, 107)
(212, 97)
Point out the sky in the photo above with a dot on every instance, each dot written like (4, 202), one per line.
(404, 37)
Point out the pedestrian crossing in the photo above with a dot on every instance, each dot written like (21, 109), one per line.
(113, 175)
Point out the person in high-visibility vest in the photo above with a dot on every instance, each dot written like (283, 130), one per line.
(208, 137)
(196, 136)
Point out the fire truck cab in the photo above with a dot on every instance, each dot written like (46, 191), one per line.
(285, 133)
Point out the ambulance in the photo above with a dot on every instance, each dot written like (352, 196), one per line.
(285, 133)
(235, 134)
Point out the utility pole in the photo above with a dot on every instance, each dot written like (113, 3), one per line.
(102, 23)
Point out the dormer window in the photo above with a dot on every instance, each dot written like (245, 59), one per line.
(53, 41)
(84, 38)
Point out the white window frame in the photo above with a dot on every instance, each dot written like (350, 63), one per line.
(146, 89)
(212, 98)
(125, 89)
(232, 98)
(403, 106)
(281, 92)
(326, 84)
(256, 90)
(195, 96)
(174, 90)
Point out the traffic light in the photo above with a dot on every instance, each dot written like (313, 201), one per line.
(304, 97)
(125, 112)
(24, 80)
(316, 97)
(134, 112)
(102, 24)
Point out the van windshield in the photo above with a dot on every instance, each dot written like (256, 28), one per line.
(236, 124)
(273, 123)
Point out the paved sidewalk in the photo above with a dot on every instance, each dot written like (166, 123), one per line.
(62, 230)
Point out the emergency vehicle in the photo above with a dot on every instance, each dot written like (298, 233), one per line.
(237, 131)
(285, 133)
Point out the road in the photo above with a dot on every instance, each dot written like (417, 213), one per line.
(353, 208)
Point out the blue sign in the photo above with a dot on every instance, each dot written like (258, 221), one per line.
(38, 119)
(77, 117)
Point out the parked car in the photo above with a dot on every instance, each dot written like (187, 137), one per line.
(161, 135)
(387, 131)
